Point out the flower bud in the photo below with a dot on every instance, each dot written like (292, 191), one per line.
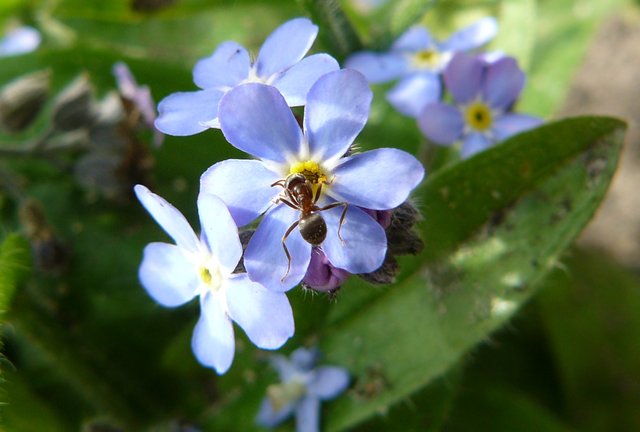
(73, 106)
(22, 100)
(322, 275)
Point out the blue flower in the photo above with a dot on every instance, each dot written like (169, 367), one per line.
(417, 59)
(175, 274)
(484, 94)
(21, 40)
(302, 388)
(279, 63)
(256, 119)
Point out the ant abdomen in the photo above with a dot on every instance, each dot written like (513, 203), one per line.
(313, 228)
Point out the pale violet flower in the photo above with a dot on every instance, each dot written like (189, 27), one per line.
(303, 386)
(279, 63)
(483, 94)
(203, 267)
(255, 118)
(21, 40)
(417, 59)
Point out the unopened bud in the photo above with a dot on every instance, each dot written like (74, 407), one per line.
(73, 106)
(386, 274)
(322, 275)
(22, 99)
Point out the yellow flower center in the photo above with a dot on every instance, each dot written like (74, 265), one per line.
(210, 277)
(478, 116)
(283, 394)
(426, 59)
(312, 172)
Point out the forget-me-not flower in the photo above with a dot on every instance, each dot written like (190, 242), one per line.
(302, 388)
(484, 94)
(21, 40)
(203, 267)
(256, 119)
(279, 63)
(418, 59)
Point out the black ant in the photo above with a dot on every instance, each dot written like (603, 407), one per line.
(298, 194)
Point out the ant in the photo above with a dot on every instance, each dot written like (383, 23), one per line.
(298, 194)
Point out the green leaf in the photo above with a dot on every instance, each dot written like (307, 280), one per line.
(15, 262)
(589, 310)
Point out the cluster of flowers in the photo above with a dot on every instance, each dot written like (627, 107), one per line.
(484, 87)
(318, 203)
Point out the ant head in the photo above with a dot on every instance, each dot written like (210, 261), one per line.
(294, 180)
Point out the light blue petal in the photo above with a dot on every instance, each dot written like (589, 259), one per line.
(265, 260)
(226, 67)
(365, 243)
(308, 414)
(414, 92)
(328, 382)
(219, 231)
(169, 218)
(417, 38)
(441, 123)
(188, 113)
(304, 359)
(473, 36)
(511, 124)
(377, 179)
(256, 119)
(20, 41)
(167, 276)
(474, 143)
(283, 366)
(295, 82)
(269, 418)
(213, 342)
(503, 83)
(378, 67)
(463, 77)
(337, 110)
(243, 185)
(285, 46)
(264, 315)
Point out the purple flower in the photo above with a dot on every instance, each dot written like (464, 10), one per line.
(175, 274)
(279, 63)
(302, 388)
(417, 59)
(484, 94)
(21, 40)
(321, 275)
(256, 119)
(140, 96)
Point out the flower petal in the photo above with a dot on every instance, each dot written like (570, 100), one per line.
(473, 36)
(188, 113)
(378, 67)
(336, 111)
(256, 119)
(417, 38)
(441, 123)
(243, 185)
(295, 82)
(511, 124)
(414, 92)
(503, 83)
(378, 179)
(328, 382)
(286, 46)
(265, 260)
(167, 276)
(213, 342)
(269, 418)
(169, 218)
(219, 231)
(308, 414)
(463, 76)
(226, 67)
(474, 143)
(365, 243)
(264, 315)
(22, 40)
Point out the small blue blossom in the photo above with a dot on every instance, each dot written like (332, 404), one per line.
(203, 267)
(21, 40)
(279, 63)
(302, 388)
(484, 94)
(255, 118)
(417, 59)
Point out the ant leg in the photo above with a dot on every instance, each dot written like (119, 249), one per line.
(286, 251)
(287, 202)
(278, 183)
(342, 216)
